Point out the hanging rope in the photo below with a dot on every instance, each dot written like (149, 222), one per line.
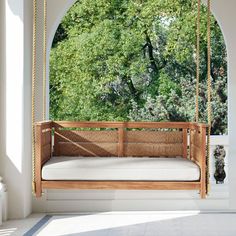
(34, 78)
(197, 62)
(44, 58)
(208, 91)
(33, 91)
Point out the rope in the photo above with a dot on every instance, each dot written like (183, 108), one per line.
(197, 62)
(208, 91)
(33, 91)
(44, 58)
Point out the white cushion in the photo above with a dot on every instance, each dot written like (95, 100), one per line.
(114, 168)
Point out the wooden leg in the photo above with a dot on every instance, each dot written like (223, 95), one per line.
(203, 190)
(38, 186)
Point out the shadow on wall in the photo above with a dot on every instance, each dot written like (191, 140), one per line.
(16, 171)
(16, 7)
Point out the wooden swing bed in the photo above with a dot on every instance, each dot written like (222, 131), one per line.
(120, 155)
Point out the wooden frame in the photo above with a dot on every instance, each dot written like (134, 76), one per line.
(44, 149)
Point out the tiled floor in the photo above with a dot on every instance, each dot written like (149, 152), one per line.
(127, 224)
(19, 227)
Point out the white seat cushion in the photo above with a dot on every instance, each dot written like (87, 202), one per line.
(114, 168)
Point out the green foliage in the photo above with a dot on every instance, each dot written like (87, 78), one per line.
(135, 60)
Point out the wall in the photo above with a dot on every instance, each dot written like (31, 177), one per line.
(15, 105)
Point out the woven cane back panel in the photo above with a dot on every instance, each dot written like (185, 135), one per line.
(145, 136)
(120, 141)
(153, 150)
(86, 143)
(99, 136)
(154, 143)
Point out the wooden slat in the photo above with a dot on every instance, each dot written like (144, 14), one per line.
(185, 143)
(121, 136)
(130, 185)
(88, 124)
(191, 143)
(44, 124)
(56, 142)
(144, 136)
(130, 124)
(88, 149)
(203, 164)
(167, 125)
(46, 153)
(46, 137)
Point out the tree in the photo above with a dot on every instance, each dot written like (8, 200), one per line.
(123, 59)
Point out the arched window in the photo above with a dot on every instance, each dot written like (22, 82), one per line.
(120, 60)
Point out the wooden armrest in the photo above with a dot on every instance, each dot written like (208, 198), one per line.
(198, 144)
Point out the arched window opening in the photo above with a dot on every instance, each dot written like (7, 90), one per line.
(127, 60)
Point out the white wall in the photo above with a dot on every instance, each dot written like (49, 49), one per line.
(15, 106)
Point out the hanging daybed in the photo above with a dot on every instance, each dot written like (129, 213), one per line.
(120, 155)
(127, 155)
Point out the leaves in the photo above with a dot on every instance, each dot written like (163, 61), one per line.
(135, 59)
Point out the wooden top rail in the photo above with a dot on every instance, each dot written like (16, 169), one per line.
(120, 124)
(128, 124)
(44, 124)
(120, 143)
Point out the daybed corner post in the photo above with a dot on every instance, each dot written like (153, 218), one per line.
(185, 143)
(43, 150)
(38, 159)
(203, 163)
(121, 134)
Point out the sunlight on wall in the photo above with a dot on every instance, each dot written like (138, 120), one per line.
(14, 87)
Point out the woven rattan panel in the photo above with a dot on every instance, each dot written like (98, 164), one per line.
(87, 143)
(106, 143)
(153, 143)
(87, 136)
(87, 149)
(154, 136)
(153, 149)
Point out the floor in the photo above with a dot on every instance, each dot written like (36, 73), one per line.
(124, 224)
